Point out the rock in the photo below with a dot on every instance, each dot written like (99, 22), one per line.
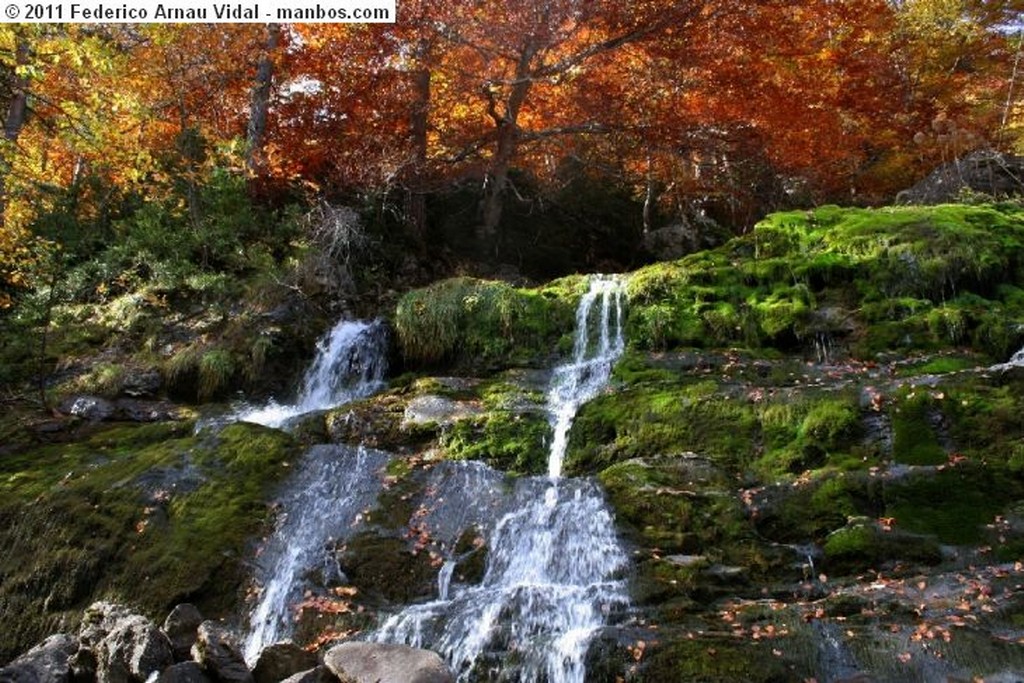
(181, 627)
(135, 410)
(141, 382)
(183, 672)
(92, 408)
(281, 660)
(132, 650)
(216, 650)
(987, 172)
(438, 410)
(97, 621)
(386, 663)
(47, 662)
(320, 674)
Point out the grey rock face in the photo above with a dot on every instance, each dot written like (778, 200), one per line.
(281, 660)
(216, 650)
(183, 672)
(386, 663)
(132, 650)
(182, 627)
(47, 662)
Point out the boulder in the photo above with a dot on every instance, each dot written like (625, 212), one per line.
(320, 674)
(47, 662)
(281, 660)
(133, 650)
(386, 663)
(92, 408)
(438, 410)
(141, 382)
(97, 621)
(182, 627)
(217, 652)
(983, 171)
(183, 672)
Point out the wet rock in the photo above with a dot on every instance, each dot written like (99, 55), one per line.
(135, 410)
(133, 650)
(438, 410)
(217, 652)
(320, 674)
(386, 663)
(183, 672)
(141, 382)
(281, 660)
(92, 408)
(47, 662)
(182, 627)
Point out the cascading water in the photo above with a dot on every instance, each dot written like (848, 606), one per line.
(350, 363)
(553, 564)
(333, 485)
(1016, 361)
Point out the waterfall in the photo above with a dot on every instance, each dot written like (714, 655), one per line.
(1016, 361)
(333, 485)
(579, 380)
(350, 363)
(553, 567)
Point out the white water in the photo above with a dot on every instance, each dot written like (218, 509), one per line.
(1017, 361)
(332, 486)
(553, 568)
(350, 363)
(580, 380)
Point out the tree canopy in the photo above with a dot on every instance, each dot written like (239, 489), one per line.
(713, 106)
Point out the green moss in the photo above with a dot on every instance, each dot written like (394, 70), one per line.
(148, 514)
(912, 277)
(953, 504)
(723, 660)
(915, 441)
(862, 544)
(512, 442)
(485, 324)
(650, 420)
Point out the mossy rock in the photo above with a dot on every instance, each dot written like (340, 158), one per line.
(721, 659)
(907, 277)
(658, 419)
(954, 503)
(386, 571)
(809, 509)
(485, 325)
(865, 544)
(147, 514)
(509, 441)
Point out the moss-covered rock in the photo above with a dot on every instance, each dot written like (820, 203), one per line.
(148, 514)
(485, 325)
(909, 277)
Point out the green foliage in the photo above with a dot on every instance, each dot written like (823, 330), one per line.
(484, 323)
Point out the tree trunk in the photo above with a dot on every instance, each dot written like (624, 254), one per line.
(259, 102)
(419, 117)
(17, 112)
(507, 124)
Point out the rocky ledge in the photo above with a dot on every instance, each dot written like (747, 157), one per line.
(117, 645)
